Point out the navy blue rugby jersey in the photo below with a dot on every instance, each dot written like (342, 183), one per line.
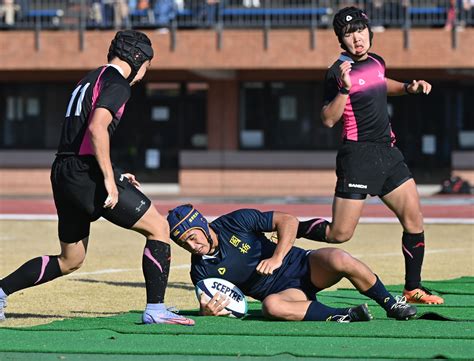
(365, 115)
(104, 87)
(242, 245)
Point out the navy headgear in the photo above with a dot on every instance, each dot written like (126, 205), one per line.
(185, 217)
(133, 47)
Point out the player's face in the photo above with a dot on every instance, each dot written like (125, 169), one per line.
(358, 42)
(141, 72)
(195, 241)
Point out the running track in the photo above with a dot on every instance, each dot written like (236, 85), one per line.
(441, 207)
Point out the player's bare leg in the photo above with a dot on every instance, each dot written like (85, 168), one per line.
(345, 217)
(330, 265)
(43, 269)
(72, 255)
(346, 214)
(404, 201)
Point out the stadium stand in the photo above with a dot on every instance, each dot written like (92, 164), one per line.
(229, 14)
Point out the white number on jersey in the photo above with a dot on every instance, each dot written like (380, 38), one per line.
(81, 88)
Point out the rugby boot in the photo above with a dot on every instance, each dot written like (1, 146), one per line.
(401, 310)
(422, 295)
(162, 315)
(354, 314)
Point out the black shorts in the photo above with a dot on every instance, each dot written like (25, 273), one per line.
(79, 194)
(369, 168)
(297, 274)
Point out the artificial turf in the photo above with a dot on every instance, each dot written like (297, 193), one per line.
(440, 331)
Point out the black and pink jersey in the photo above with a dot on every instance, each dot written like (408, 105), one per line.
(104, 87)
(365, 114)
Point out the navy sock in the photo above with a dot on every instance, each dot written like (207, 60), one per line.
(314, 229)
(319, 312)
(379, 294)
(34, 272)
(413, 245)
(156, 268)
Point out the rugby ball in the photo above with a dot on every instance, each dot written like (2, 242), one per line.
(210, 286)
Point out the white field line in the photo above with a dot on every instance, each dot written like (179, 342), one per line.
(187, 265)
(428, 251)
(121, 270)
(364, 220)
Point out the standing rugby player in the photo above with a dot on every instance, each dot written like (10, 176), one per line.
(368, 161)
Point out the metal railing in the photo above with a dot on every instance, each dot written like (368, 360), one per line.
(221, 14)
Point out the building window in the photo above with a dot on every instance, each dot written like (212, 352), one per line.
(284, 116)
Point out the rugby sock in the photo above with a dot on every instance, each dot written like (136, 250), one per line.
(156, 268)
(34, 272)
(379, 294)
(314, 229)
(319, 312)
(155, 308)
(413, 246)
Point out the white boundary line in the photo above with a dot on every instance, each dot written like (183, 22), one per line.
(188, 265)
(378, 220)
(121, 270)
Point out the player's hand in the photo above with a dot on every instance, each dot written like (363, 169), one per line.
(214, 306)
(131, 178)
(419, 87)
(267, 266)
(112, 191)
(344, 70)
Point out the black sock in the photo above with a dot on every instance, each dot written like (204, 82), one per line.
(34, 272)
(314, 229)
(379, 294)
(156, 268)
(413, 246)
(319, 312)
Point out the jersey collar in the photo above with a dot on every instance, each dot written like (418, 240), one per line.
(119, 69)
(213, 256)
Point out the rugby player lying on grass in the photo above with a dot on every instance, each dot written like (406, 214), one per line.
(283, 277)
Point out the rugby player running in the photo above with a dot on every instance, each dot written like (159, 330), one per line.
(86, 186)
(368, 162)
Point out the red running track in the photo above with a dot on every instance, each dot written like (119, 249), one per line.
(432, 210)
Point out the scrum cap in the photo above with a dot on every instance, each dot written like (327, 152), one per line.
(185, 217)
(348, 16)
(133, 47)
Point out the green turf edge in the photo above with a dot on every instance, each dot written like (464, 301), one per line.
(107, 342)
(22, 356)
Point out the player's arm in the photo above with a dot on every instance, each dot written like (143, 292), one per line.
(100, 139)
(332, 112)
(396, 88)
(286, 227)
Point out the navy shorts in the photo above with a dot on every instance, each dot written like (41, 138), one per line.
(369, 168)
(297, 274)
(79, 194)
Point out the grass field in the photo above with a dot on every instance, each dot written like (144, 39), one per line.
(111, 282)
